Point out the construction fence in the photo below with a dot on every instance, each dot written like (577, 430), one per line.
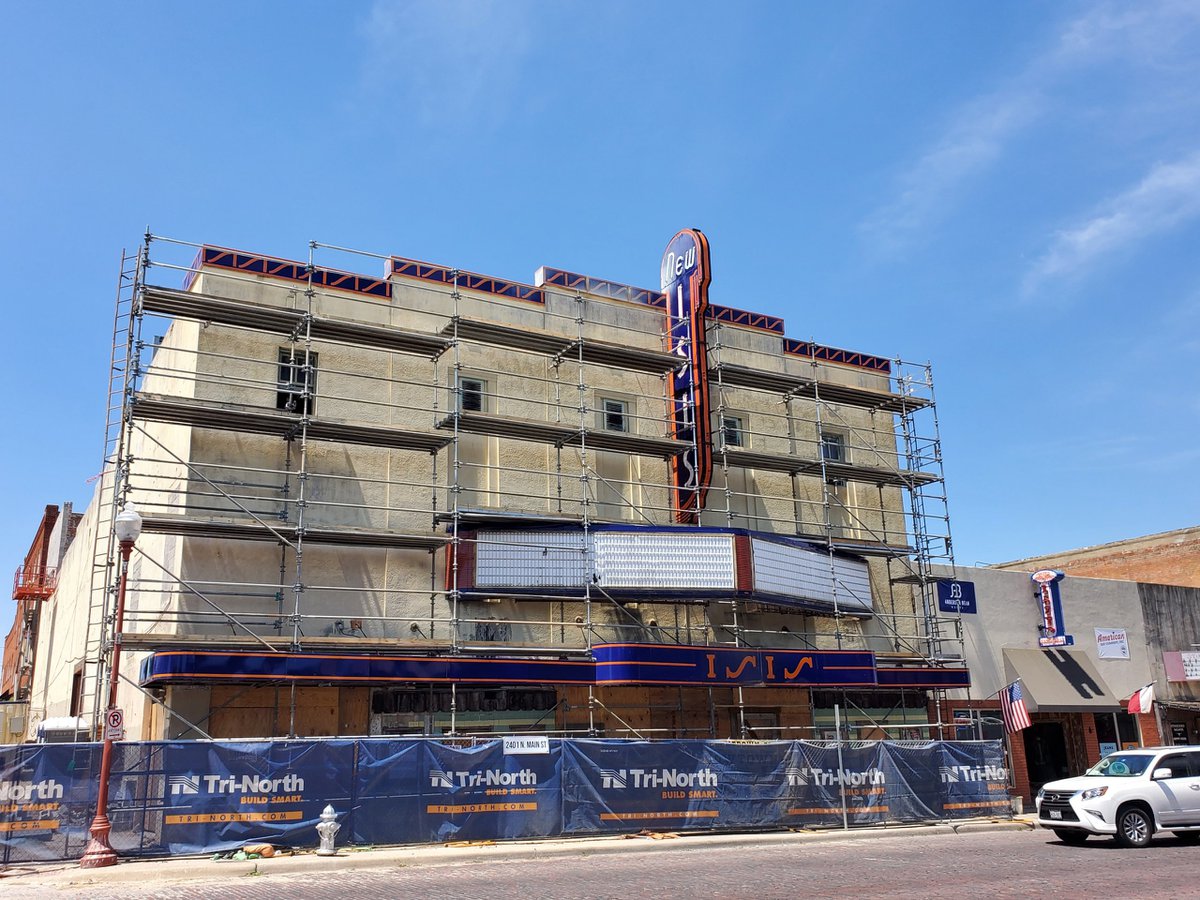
(188, 797)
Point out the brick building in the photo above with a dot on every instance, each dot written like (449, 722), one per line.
(33, 584)
(1170, 557)
(1079, 656)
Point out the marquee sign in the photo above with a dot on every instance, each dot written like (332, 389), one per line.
(685, 277)
(697, 665)
(1053, 631)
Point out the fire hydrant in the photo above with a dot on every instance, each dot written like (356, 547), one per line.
(327, 829)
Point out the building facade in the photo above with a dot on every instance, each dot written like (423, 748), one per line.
(1080, 648)
(33, 584)
(429, 501)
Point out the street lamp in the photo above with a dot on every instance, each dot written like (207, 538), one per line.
(99, 853)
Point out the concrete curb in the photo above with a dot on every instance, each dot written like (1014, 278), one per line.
(69, 876)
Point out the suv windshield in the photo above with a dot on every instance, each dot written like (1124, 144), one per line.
(1121, 765)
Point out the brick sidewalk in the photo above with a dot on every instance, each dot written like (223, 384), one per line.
(67, 876)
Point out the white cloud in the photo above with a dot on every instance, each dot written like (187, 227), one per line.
(972, 142)
(977, 134)
(446, 58)
(1167, 197)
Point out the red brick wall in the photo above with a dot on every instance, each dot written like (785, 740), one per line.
(1020, 769)
(1173, 558)
(1148, 723)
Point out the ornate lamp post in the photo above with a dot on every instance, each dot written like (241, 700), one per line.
(99, 852)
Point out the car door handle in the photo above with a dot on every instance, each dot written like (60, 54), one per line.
(1194, 787)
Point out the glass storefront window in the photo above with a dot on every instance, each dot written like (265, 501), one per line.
(1116, 731)
(983, 725)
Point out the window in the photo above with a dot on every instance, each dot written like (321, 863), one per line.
(1179, 764)
(77, 692)
(472, 395)
(1116, 731)
(978, 725)
(733, 431)
(614, 414)
(833, 446)
(296, 380)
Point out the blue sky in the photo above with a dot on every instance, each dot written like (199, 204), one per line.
(1009, 190)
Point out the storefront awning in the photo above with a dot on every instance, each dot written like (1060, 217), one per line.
(1060, 680)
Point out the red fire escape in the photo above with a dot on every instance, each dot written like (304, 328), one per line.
(34, 582)
(31, 586)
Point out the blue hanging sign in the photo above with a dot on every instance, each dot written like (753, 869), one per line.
(685, 277)
(1053, 631)
(956, 596)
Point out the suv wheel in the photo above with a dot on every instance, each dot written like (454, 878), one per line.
(1134, 827)
(1071, 836)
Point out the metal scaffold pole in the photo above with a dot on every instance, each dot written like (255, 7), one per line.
(123, 376)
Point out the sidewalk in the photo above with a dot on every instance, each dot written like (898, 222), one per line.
(66, 876)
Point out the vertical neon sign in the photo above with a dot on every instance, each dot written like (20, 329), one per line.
(1050, 606)
(685, 277)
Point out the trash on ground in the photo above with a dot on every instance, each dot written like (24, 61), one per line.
(653, 835)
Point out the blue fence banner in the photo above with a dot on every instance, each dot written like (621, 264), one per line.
(973, 778)
(387, 808)
(822, 779)
(609, 785)
(47, 800)
(219, 795)
(481, 792)
(912, 779)
(177, 797)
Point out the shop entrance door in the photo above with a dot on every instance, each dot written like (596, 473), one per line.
(1045, 753)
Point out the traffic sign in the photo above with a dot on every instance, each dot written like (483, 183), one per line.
(114, 725)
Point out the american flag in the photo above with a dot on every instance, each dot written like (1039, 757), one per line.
(1012, 707)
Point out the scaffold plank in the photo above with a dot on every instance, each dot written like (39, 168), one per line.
(279, 320)
(249, 530)
(230, 417)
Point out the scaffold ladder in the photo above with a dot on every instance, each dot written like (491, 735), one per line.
(121, 378)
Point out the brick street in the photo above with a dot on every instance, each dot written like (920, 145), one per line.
(998, 864)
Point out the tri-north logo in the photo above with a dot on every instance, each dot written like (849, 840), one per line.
(30, 791)
(819, 777)
(657, 778)
(487, 778)
(956, 774)
(234, 784)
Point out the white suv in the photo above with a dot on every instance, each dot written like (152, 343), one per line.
(1130, 795)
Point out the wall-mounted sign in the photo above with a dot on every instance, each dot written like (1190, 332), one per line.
(956, 596)
(684, 279)
(526, 744)
(1182, 665)
(1179, 735)
(1053, 631)
(1112, 643)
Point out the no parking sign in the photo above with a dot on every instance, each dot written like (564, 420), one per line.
(114, 725)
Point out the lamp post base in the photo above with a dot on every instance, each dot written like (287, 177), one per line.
(99, 853)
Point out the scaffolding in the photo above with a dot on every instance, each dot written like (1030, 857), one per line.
(301, 414)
